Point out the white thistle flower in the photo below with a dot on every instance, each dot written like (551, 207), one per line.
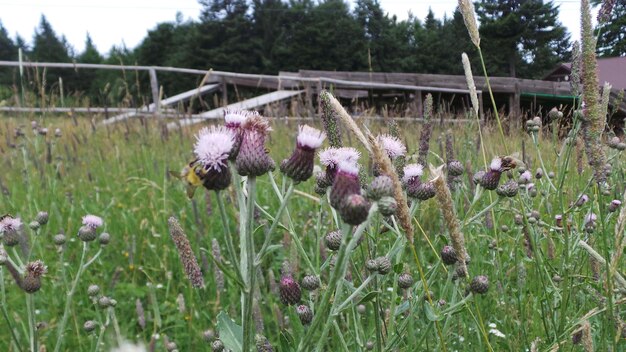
(332, 156)
(213, 146)
(237, 117)
(310, 137)
(411, 171)
(10, 224)
(496, 164)
(392, 145)
(92, 221)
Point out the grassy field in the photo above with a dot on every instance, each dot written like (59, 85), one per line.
(543, 286)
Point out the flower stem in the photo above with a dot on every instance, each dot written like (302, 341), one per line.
(247, 260)
(68, 300)
(32, 326)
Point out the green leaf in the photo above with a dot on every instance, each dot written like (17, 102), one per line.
(398, 268)
(369, 297)
(287, 341)
(230, 333)
(432, 314)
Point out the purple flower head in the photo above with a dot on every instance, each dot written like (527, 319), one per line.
(253, 159)
(92, 221)
(346, 182)
(299, 166)
(331, 157)
(213, 145)
(10, 224)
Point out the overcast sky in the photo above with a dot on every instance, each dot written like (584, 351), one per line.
(113, 22)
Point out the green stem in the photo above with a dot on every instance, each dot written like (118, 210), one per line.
(283, 204)
(68, 300)
(356, 292)
(230, 246)
(32, 325)
(482, 212)
(543, 166)
(248, 261)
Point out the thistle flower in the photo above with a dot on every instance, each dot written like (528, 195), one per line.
(392, 146)
(305, 314)
(448, 255)
(31, 282)
(354, 209)
(299, 166)
(92, 221)
(289, 290)
(331, 157)
(346, 183)
(491, 179)
(525, 177)
(253, 159)
(405, 281)
(469, 17)
(187, 258)
(233, 119)
(10, 227)
(614, 205)
(212, 149)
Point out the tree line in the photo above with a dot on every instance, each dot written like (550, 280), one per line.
(519, 38)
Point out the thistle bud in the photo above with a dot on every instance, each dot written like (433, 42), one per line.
(310, 282)
(289, 290)
(104, 238)
(104, 302)
(217, 346)
(384, 265)
(539, 173)
(405, 280)
(333, 240)
(59, 239)
(448, 255)
(305, 314)
(208, 335)
(455, 168)
(371, 265)
(42, 218)
(478, 176)
(354, 209)
(93, 290)
(479, 284)
(380, 187)
(10, 227)
(387, 206)
(89, 326)
(508, 189)
(614, 205)
(299, 166)
(31, 282)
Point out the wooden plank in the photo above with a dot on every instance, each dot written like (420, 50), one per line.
(252, 103)
(165, 102)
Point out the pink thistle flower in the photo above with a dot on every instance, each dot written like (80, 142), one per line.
(213, 146)
(411, 172)
(392, 145)
(331, 157)
(10, 224)
(300, 165)
(92, 221)
(253, 159)
(346, 182)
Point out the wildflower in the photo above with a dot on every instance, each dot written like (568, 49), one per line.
(405, 280)
(305, 314)
(380, 186)
(590, 222)
(331, 157)
(10, 227)
(614, 205)
(392, 146)
(414, 186)
(92, 221)
(354, 209)
(492, 177)
(582, 200)
(212, 149)
(187, 258)
(525, 177)
(289, 290)
(333, 240)
(479, 284)
(233, 119)
(299, 166)
(253, 159)
(310, 282)
(31, 282)
(346, 182)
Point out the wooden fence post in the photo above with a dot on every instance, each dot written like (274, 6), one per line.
(154, 84)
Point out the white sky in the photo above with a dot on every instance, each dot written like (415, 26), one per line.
(113, 22)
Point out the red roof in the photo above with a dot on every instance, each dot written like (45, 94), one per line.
(610, 69)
